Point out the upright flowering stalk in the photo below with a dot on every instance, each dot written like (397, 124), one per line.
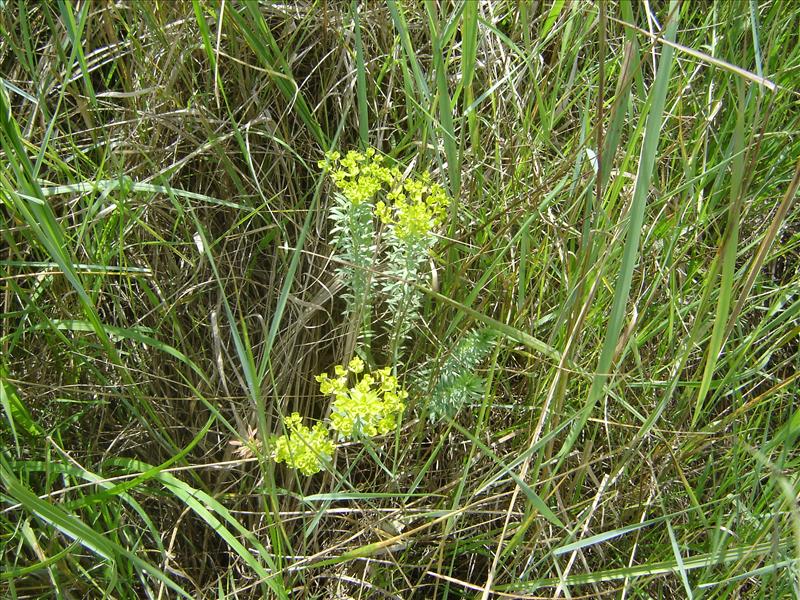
(411, 209)
(358, 177)
(417, 211)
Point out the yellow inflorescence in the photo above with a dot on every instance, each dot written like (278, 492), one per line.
(368, 408)
(360, 176)
(416, 205)
(302, 448)
(418, 208)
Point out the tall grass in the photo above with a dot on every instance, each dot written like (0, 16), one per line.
(623, 179)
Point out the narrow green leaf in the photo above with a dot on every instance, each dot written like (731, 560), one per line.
(76, 530)
(215, 515)
(534, 498)
(17, 414)
(361, 79)
(728, 251)
(446, 127)
(631, 231)
(469, 57)
(259, 36)
(676, 551)
(552, 15)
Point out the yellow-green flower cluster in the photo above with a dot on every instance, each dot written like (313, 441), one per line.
(360, 176)
(368, 408)
(416, 205)
(419, 207)
(304, 449)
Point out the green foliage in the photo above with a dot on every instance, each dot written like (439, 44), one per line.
(455, 383)
(623, 214)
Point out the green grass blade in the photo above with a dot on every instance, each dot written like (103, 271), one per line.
(76, 529)
(361, 80)
(534, 498)
(728, 251)
(633, 229)
(469, 57)
(260, 38)
(446, 120)
(217, 516)
(17, 415)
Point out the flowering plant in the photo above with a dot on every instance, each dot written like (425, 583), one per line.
(304, 449)
(368, 408)
(411, 210)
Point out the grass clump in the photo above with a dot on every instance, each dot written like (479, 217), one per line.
(591, 299)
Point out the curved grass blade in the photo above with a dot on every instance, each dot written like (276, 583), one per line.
(632, 231)
(77, 530)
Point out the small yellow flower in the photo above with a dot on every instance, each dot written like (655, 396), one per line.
(365, 383)
(418, 208)
(368, 408)
(304, 449)
(383, 212)
(356, 365)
